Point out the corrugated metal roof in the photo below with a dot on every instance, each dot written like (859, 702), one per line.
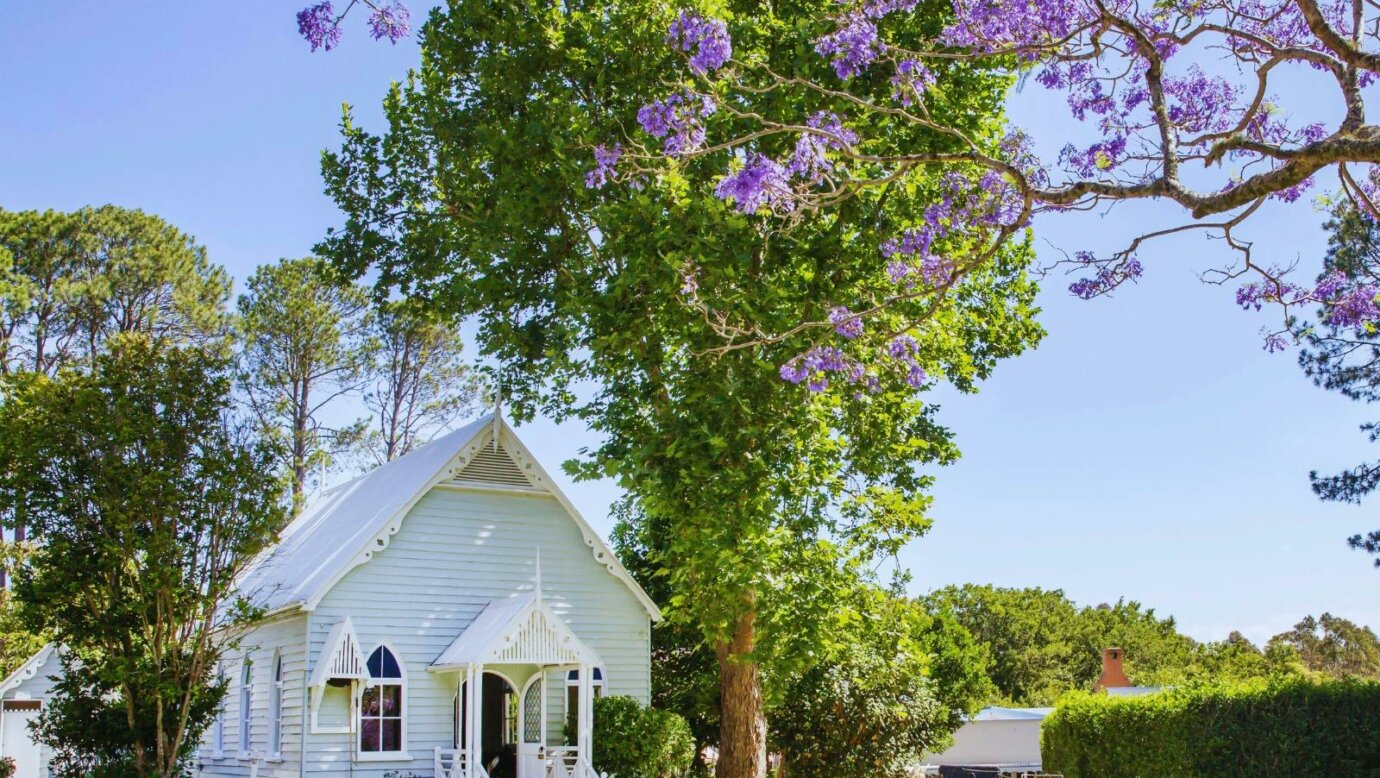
(346, 524)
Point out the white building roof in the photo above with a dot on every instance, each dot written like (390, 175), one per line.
(519, 629)
(345, 525)
(1011, 714)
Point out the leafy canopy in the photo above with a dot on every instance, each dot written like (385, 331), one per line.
(146, 503)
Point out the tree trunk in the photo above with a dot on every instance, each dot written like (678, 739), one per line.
(742, 722)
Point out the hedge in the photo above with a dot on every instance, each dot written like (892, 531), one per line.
(634, 741)
(1262, 729)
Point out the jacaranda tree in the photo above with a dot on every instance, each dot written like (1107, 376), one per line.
(1214, 106)
(774, 500)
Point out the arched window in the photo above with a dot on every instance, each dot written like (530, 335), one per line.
(381, 705)
(275, 732)
(572, 700)
(246, 705)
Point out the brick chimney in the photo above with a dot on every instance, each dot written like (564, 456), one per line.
(1113, 674)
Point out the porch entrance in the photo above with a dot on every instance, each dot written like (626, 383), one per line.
(501, 727)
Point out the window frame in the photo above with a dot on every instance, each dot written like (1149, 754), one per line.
(572, 694)
(246, 708)
(401, 754)
(218, 726)
(275, 710)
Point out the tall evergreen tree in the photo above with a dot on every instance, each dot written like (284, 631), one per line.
(418, 381)
(1342, 351)
(74, 280)
(304, 343)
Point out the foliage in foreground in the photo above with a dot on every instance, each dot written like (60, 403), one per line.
(1288, 727)
(146, 503)
(640, 742)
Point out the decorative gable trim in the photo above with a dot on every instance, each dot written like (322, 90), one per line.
(29, 669)
(340, 659)
(530, 633)
(340, 656)
(540, 481)
(540, 637)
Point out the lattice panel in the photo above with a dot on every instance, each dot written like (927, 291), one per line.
(531, 714)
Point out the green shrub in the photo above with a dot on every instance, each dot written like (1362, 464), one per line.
(6, 767)
(866, 717)
(634, 741)
(1283, 727)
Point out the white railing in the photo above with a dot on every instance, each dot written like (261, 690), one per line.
(450, 763)
(563, 762)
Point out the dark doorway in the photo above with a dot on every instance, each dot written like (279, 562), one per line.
(500, 728)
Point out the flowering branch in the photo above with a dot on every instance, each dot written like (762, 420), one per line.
(1128, 69)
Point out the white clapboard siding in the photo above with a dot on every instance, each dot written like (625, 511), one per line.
(457, 549)
(285, 635)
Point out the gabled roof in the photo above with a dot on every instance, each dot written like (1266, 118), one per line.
(521, 629)
(29, 669)
(343, 527)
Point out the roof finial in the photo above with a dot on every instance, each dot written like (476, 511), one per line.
(498, 406)
(538, 588)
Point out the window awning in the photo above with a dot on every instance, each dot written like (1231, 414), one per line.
(516, 630)
(340, 656)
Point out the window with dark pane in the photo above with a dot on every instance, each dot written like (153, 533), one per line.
(381, 704)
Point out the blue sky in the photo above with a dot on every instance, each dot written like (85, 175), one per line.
(1148, 449)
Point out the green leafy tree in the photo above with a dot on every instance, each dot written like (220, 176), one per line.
(305, 343)
(1333, 646)
(775, 499)
(17, 643)
(146, 503)
(72, 281)
(418, 382)
(1041, 644)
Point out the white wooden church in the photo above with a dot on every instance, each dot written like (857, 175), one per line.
(448, 614)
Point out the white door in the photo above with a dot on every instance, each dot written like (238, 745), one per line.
(16, 742)
(532, 744)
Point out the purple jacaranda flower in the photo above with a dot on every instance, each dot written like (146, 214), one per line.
(318, 25)
(605, 160)
(852, 47)
(679, 119)
(1275, 342)
(1329, 286)
(760, 182)
(706, 40)
(916, 376)
(911, 80)
(846, 323)
(810, 160)
(794, 371)
(1354, 307)
(1106, 279)
(391, 21)
(902, 347)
